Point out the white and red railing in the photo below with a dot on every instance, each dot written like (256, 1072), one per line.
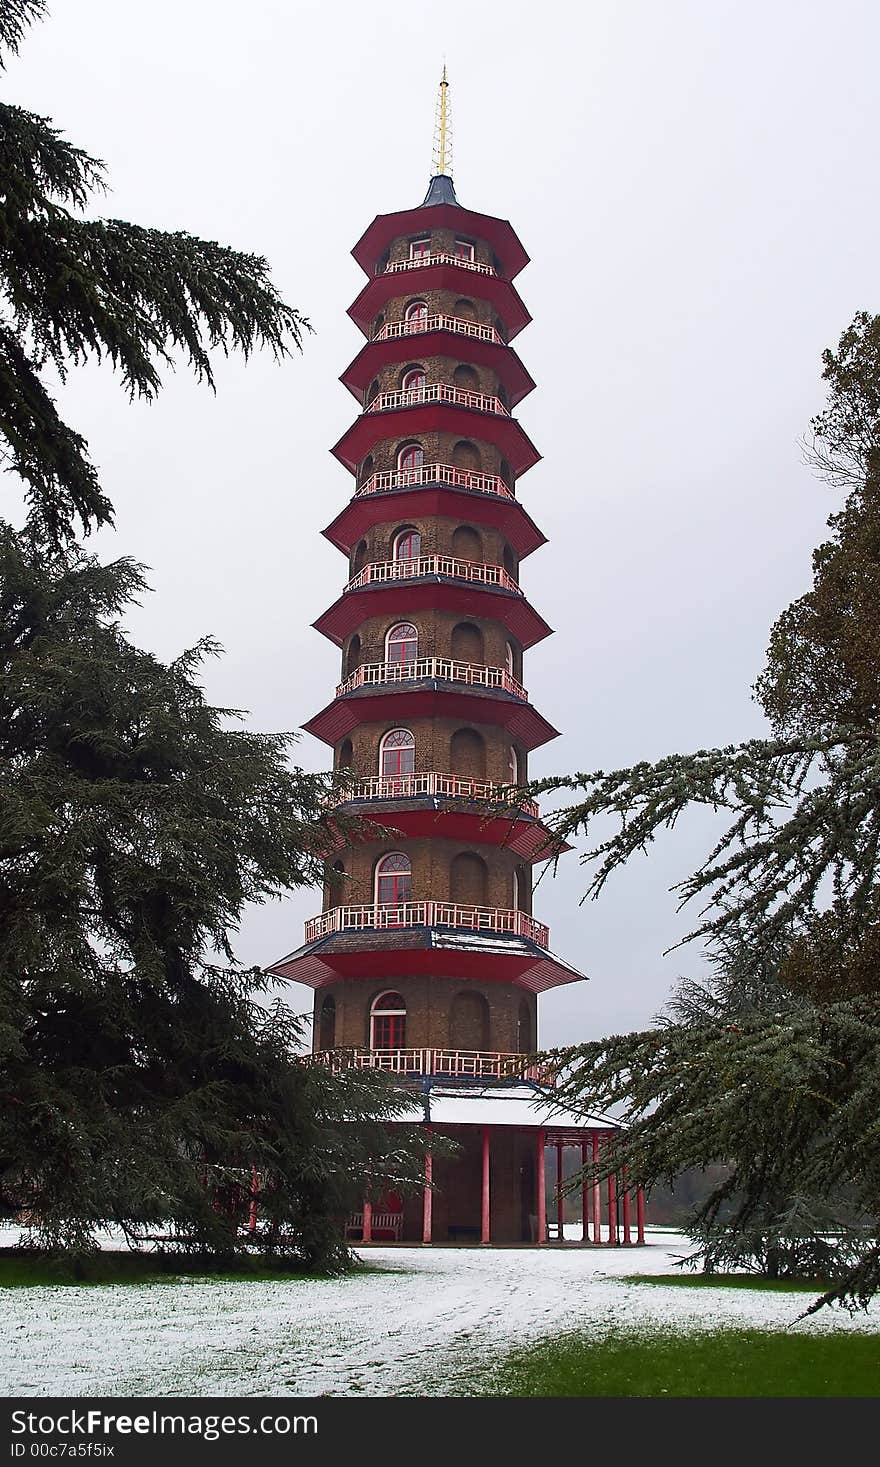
(436, 474)
(416, 262)
(422, 782)
(391, 916)
(418, 325)
(473, 1064)
(446, 669)
(482, 402)
(379, 571)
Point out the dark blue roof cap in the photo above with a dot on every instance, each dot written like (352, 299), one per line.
(441, 190)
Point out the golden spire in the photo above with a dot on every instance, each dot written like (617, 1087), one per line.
(442, 161)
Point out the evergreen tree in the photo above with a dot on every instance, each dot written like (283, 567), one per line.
(774, 1064)
(146, 1079)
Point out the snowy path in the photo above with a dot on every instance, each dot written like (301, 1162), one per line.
(416, 1328)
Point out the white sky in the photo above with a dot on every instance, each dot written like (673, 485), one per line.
(695, 183)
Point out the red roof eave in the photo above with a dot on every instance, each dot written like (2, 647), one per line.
(508, 516)
(467, 597)
(501, 294)
(532, 971)
(504, 433)
(522, 721)
(498, 233)
(502, 360)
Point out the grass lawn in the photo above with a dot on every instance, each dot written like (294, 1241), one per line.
(20, 1268)
(728, 1281)
(718, 1363)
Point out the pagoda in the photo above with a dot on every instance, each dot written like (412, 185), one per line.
(427, 960)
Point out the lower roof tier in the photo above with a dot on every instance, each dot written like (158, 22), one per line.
(430, 699)
(432, 817)
(433, 593)
(440, 501)
(426, 951)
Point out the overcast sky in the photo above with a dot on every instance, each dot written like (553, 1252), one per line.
(695, 182)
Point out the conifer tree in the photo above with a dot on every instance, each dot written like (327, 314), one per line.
(774, 1064)
(146, 1079)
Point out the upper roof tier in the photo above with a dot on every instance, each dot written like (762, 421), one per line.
(445, 210)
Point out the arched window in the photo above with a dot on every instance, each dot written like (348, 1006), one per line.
(468, 879)
(469, 1021)
(509, 658)
(465, 310)
(413, 380)
(393, 880)
(415, 313)
(397, 753)
(513, 767)
(407, 544)
(402, 643)
(467, 543)
(352, 656)
(366, 470)
(346, 754)
(327, 1024)
(467, 642)
(410, 457)
(388, 1022)
(418, 248)
(466, 378)
(466, 455)
(467, 753)
(372, 390)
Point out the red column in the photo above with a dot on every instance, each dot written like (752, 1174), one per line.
(428, 1196)
(612, 1209)
(627, 1228)
(559, 1206)
(597, 1197)
(541, 1181)
(367, 1233)
(640, 1214)
(484, 1215)
(585, 1198)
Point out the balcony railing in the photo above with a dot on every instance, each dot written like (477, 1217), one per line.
(415, 262)
(394, 915)
(471, 1064)
(436, 474)
(482, 402)
(446, 669)
(425, 782)
(418, 325)
(380, 571)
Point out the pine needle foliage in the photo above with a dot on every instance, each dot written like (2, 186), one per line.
(143, 1074)
(74, 288)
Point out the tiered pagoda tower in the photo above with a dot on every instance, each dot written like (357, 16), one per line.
(427, 959)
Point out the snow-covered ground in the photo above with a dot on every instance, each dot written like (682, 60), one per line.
(419, 1327)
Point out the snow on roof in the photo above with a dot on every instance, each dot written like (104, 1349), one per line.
(507, 1105)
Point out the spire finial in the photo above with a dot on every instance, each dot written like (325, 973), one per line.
(442, 161)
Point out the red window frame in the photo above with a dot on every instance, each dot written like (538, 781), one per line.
(398, 753)
(393, 880)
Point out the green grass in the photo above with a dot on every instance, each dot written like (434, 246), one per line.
(720, 1363)
(727, 1281)
(20, 1268)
